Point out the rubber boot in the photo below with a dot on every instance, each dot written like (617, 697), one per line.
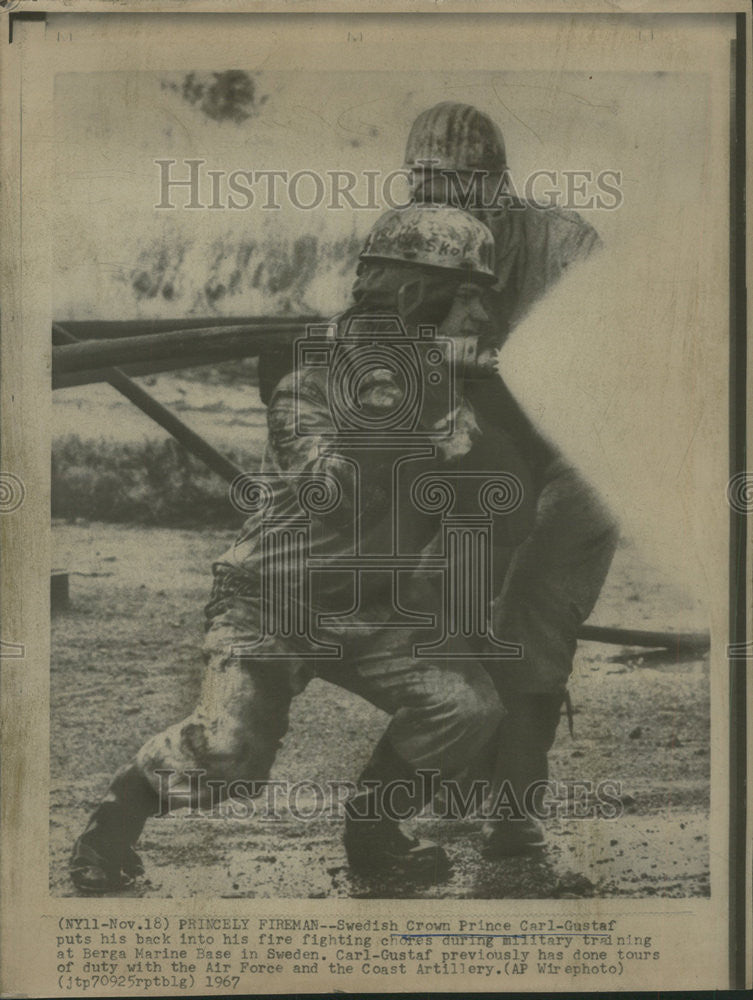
(375, 843)
(511, 837)
(103, 858)
(528, 736)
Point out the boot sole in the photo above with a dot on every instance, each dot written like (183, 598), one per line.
(98, 881)
(420, 864)
(89, 871)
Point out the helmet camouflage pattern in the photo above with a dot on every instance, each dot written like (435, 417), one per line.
(436, 236)
(456, 137)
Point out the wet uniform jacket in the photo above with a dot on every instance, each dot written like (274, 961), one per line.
(491, 435)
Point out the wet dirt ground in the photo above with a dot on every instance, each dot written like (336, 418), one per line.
(126, 662)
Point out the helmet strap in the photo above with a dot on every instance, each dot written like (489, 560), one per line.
(418, 292)
(410, 297)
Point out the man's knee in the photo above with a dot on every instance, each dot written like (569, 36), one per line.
(227, 748)
(196, 761)
(479, 711)
(471, 708)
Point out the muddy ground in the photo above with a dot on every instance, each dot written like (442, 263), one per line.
(126, 663)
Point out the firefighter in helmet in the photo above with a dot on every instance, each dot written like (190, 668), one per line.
(456, 154)
(426, 267)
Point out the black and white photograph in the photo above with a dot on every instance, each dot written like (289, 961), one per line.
(397, 622)
(389, 498)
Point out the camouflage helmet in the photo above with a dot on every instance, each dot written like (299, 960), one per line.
(455, 137)
(435, 236)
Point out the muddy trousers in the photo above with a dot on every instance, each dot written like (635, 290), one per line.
(522, 764)
(550, 588)
(445, 714)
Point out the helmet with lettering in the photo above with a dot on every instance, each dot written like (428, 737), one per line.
(453, 136)
(433, 236)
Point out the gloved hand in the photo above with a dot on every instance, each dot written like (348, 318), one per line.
(457, 431)
(379, 392)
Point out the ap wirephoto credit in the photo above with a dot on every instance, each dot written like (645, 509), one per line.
(390, 440)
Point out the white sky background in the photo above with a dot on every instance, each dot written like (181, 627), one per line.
(624, 365)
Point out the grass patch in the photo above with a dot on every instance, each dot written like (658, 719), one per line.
(144, 482)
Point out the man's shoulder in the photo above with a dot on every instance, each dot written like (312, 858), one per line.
(299, 401)
(550, 237)
(302, 381)
(550, 216)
